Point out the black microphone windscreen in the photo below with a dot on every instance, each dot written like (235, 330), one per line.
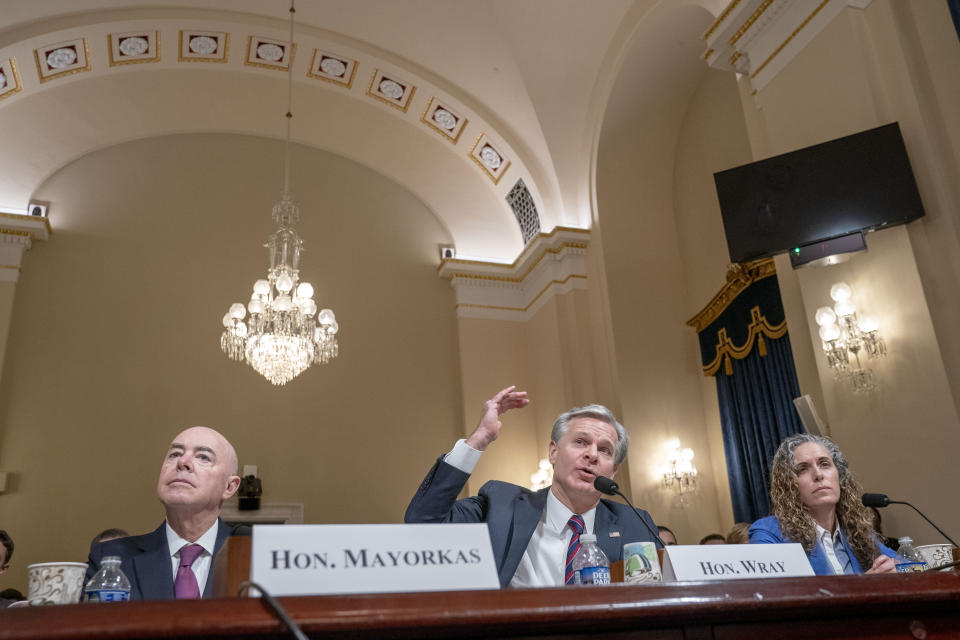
(875, 500)
(605, 485)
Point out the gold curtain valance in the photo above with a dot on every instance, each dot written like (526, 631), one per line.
(747, 310)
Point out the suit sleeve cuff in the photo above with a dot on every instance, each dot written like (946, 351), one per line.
(463, 456)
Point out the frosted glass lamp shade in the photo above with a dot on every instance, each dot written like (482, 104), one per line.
(868, 324)
(829, 332)
(845, 308)
(825, 315)
(840, 291)
(305, 290)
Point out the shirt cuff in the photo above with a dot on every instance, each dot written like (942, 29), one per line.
(463, 456)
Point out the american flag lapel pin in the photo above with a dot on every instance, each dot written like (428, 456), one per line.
(614, 534)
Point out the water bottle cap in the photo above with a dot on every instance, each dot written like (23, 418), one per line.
(905, 540)
(587, 537)
(110, 560)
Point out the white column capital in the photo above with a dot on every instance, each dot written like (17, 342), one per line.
(553, 263)
(17, 234)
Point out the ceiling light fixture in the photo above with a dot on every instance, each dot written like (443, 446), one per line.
(282, 336)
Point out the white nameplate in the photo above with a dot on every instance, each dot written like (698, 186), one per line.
(734, 562)
(291, 560)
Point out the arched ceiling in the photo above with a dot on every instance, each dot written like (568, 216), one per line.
(520, 77)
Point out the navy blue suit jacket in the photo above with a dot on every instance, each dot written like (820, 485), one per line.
(767, 531)
(512, 514)
(145, 560)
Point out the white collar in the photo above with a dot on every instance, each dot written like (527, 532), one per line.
(208, 540)
(824, 534)
(557, 514)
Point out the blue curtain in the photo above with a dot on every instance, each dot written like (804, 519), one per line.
(744, 343)
(757, 413)
(955, 14)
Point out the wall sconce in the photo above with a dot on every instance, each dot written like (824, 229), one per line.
(543, 476)
(843, 334)
(680, 474)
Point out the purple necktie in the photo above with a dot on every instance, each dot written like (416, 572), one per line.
(575, 523)
(185, 586)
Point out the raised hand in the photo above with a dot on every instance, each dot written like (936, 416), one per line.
(489, 427)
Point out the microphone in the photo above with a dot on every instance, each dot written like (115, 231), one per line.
(606, 485)
(875, 500)
(881, 500)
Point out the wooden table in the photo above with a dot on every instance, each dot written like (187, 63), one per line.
(886, 606)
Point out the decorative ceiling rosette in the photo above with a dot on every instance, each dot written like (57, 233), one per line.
(444, 119)
(62, 59)
(203, 46)
(391, 89)
(269, 53)
(133, 47)
(489, 158)
(332, 67)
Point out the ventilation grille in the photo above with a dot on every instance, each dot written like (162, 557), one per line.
(526, 211)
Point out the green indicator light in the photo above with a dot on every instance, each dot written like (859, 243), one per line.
(796, 250)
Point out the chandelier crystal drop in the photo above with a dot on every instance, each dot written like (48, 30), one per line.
(283, 333)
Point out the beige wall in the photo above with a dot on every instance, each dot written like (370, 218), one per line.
(865, 69)
(7, 289)
(114, 343)
(713, 138)
(664, 257)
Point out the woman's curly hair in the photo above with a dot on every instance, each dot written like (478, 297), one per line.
(796, 522)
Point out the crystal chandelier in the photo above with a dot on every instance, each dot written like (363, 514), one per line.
(283, 334)
(843, 334)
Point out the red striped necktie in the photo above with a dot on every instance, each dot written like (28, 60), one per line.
(575, 523)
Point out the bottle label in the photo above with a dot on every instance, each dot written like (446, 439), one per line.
(108, 595)
(911, 567)
(593, 575)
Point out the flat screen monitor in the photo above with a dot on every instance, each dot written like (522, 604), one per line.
(856, 183)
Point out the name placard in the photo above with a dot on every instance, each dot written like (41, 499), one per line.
(734, 562)
(293, 560)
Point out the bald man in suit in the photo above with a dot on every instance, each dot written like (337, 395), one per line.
(198, 474)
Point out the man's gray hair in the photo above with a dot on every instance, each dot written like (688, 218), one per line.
(599, 412)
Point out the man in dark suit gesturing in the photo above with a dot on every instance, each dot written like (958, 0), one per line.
(531, 531)
(198, 473)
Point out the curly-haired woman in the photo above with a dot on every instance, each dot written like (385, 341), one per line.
(816, 501)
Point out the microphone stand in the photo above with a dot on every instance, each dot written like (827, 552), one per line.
(927, 519)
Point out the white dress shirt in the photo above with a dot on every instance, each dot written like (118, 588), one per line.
(838, 556)
(545, 557)
(200, 566)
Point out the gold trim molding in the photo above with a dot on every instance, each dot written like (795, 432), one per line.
(17, 84)
(67, 72)
(532, 302)
(759, 328)
(749, 23)
(723, 16)
(739, 277)
(21, 217)
(517, 291)
(119, 62)
(789, 38)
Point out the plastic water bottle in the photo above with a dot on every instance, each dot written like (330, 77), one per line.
(914, 561)
(590, 565)
(109, 585)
